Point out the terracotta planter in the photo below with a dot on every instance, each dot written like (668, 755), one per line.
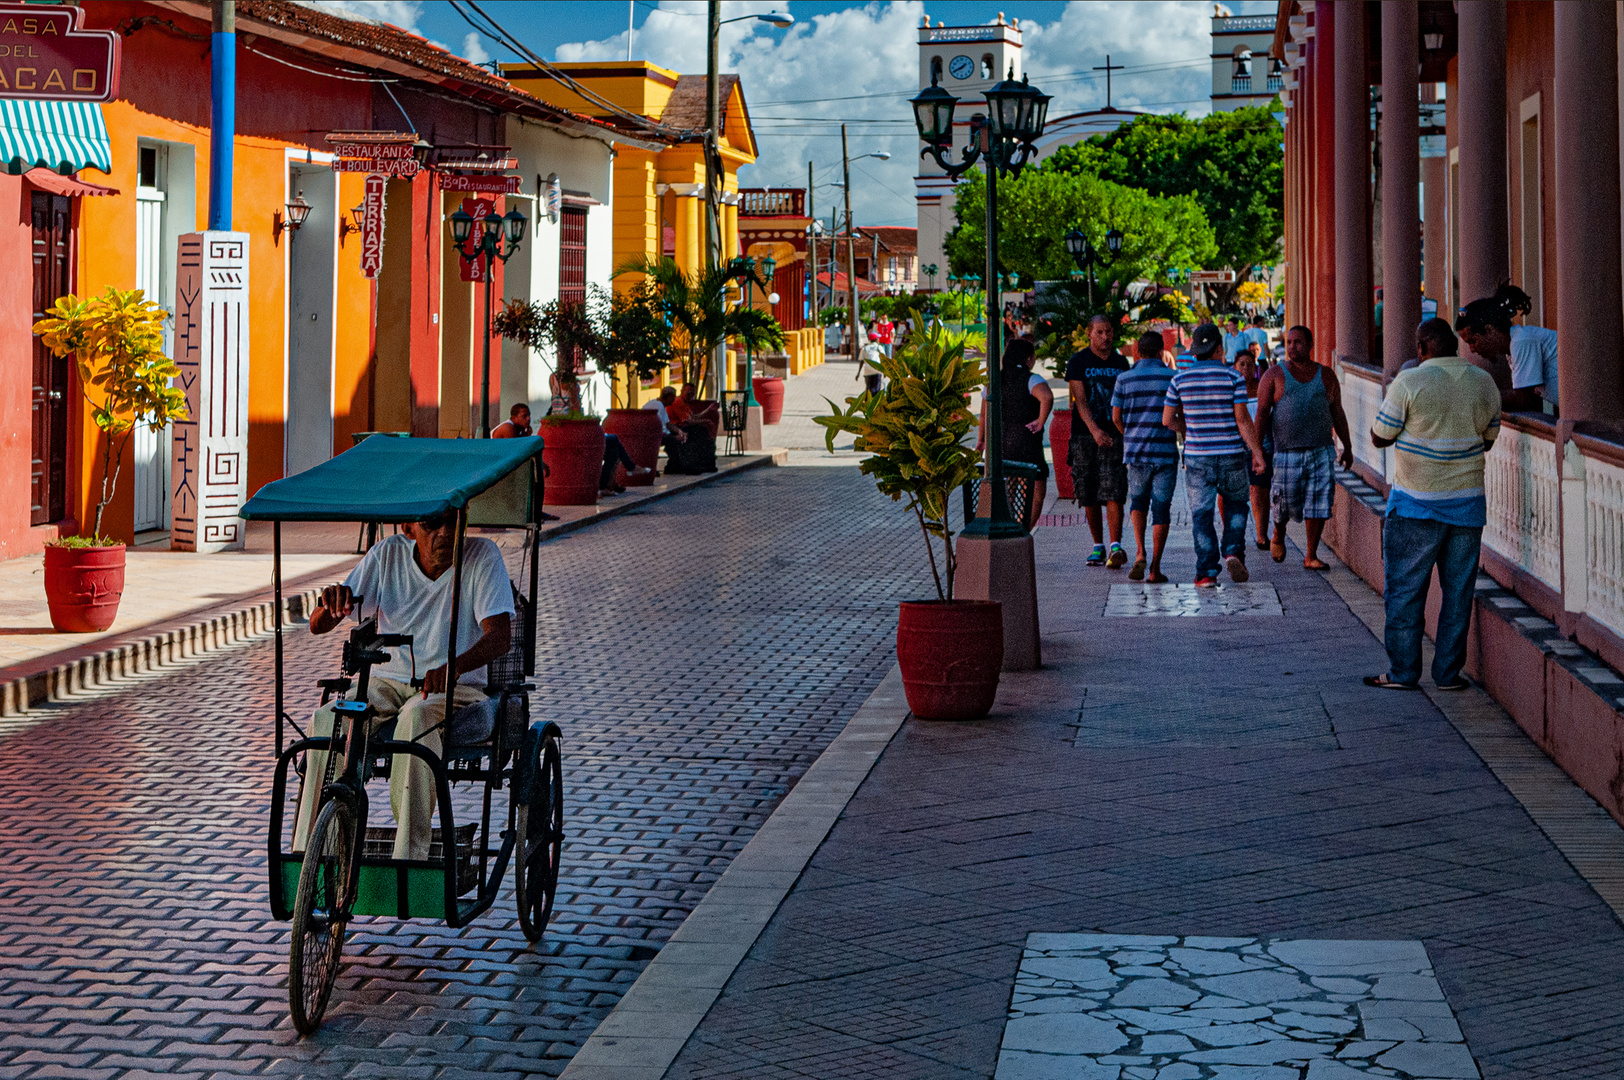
(639, 432)
(770, 393)
(950, 654)
(573, 453)
(1059, 438)
(83, 587)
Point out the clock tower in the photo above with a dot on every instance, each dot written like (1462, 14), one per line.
(965, 61)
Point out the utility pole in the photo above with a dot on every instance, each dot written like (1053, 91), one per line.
(812, 243)
(223, 109)
(851, 246)
(713, 171)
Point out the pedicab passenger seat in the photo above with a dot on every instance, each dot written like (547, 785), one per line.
(473, 725)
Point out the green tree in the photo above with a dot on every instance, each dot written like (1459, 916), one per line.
(1037, 208)
(1229, 162)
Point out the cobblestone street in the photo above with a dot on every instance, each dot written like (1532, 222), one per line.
(698, 654)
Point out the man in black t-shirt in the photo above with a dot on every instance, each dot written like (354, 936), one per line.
(1095, 452)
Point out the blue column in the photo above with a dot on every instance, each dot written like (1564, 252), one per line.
(223, 112)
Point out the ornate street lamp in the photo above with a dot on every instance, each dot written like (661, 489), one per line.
(743, 269)
(1087, 257)
(497, 228)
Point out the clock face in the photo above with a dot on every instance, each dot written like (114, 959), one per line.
(962, 67)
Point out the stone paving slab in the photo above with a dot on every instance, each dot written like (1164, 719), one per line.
(898, 949)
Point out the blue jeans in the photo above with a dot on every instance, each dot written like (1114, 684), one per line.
(1411, 547)
(1207, 476)
(1150, 487)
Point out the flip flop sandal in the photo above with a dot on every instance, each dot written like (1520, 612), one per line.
(1315, 565)
(1138, 571)
(1382, 682)
(1158, 578)
(1462, 683)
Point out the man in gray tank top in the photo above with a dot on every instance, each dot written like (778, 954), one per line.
(1301, 402)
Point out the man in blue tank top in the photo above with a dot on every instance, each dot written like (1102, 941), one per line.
(1300, 403)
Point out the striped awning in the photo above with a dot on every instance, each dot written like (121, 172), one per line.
(63, 136)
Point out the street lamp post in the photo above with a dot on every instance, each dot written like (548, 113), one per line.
(508, 227)
(930, 270)
(743, 269)
(996, 552)
(1086, 256)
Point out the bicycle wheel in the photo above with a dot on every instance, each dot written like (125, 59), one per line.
(319, 913)
(539, 819)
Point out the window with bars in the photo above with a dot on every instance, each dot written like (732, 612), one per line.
(572, 273)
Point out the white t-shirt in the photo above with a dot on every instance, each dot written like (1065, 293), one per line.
(395, 589)
(665, 418)
(1033, 381)
(1258, 337)
(1533, 360)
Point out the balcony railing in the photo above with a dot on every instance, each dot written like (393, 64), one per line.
(772, 202)
(1276, 84)
(1523, 489)
(1240, 84)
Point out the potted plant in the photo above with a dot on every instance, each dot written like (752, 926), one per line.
(698, 308)
(913, 430)
(572, 440)
(635, 336)
(117, 343)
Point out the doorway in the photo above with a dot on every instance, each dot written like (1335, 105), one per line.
(312, 252)
(52, 221)
(152, 449)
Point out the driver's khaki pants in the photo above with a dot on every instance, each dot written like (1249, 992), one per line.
(411, 781)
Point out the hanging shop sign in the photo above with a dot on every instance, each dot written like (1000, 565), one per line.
(1212, 277)
(496, 185)
(478, 209)
(376, 153)
(45, 56)
(372, 227)
(554, 194)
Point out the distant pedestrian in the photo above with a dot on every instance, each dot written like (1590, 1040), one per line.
(1258, 482)
(1259, 339)
(885, 333)
(1026, 402)
(1094, 455)
(1300, 405)
(1207, 403)
(1151, 452)
(1441, 418)
(516, 426)
(1533, 355)
(1234, 340)
(1485, 328)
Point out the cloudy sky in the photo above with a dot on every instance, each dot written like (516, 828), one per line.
(853, 62)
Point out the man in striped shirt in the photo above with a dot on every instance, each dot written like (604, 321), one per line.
(1150, 452)
(1441, 418)
(1206, 403)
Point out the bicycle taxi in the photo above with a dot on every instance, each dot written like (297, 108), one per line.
(346, 868)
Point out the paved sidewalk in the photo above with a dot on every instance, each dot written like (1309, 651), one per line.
(1225, 798)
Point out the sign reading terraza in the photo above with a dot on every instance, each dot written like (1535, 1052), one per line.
(44, 56)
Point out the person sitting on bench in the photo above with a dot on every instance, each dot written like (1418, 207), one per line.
(690, 447)
(689, 409)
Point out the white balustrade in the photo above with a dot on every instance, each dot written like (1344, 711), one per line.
(1604, 542)
(1522, 482)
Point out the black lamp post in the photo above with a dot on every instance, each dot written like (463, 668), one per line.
(490, 244)
(1087, 257)
(1004, 137)
(743, 269)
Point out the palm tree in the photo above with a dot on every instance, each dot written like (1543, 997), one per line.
(697, 305)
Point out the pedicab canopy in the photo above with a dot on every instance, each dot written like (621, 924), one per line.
(401, 480)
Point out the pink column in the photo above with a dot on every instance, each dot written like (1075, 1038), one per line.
(1589, 323)
(1352, 112)
(1484, 245)
(1401, 179)
(1323, 45)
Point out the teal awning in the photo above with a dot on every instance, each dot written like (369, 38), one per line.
(400, 480)
(63, 136)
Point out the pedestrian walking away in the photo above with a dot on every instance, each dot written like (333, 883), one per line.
(1026, 402)
(1099, 477)
(1206, 402)
(1150, 451)
(1257, 482)
(1300, 406)
(1441, 418)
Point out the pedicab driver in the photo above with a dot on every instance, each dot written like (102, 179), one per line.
(405, 581)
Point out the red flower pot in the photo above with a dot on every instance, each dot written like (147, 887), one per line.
(1059, 440)
(639, 432)
(573, 453)
(770, 394)
(83, 587)
(950, 653)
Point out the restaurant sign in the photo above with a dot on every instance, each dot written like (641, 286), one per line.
(499, 185)
(45, 56)
(372, 227)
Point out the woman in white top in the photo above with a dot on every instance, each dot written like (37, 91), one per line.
(1533, 354)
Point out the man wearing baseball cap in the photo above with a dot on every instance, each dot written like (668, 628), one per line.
(1206, 403)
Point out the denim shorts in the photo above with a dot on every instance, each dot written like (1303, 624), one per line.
(1150, 487)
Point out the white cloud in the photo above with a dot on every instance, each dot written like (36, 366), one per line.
(473, 49)
(401, 13)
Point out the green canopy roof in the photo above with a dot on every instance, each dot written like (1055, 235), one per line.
(63, 136)
(400, 480)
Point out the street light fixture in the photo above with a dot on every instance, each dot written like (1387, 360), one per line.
(1087, 257)
(1005, 137)
(743, 270)
(496, 229)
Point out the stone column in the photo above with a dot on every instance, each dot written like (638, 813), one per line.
(1484, 244)
(1351, 107)
(1587, 213)
(1401, 178)
(1327, 22)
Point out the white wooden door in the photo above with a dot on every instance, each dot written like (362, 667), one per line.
(151, 447)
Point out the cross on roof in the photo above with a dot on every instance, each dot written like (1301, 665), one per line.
(1108, 67)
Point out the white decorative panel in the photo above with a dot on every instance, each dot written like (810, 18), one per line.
(209, 466)
(1523, 486)
(1604, 543)
(1361, 401)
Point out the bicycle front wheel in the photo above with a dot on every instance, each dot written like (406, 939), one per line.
(320, 910)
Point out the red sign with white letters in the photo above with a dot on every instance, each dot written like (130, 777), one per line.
(44, 56)
(372, 227)
(478, 209)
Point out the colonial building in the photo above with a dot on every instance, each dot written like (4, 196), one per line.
(1243, 71)
(1527, 85)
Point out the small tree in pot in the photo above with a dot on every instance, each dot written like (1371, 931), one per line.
(913, 430)
(117, 343)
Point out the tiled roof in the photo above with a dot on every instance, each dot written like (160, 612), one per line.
(897, 239)
(686, 108)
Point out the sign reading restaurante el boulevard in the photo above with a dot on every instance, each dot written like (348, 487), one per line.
(379, 154)
(44, 56)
